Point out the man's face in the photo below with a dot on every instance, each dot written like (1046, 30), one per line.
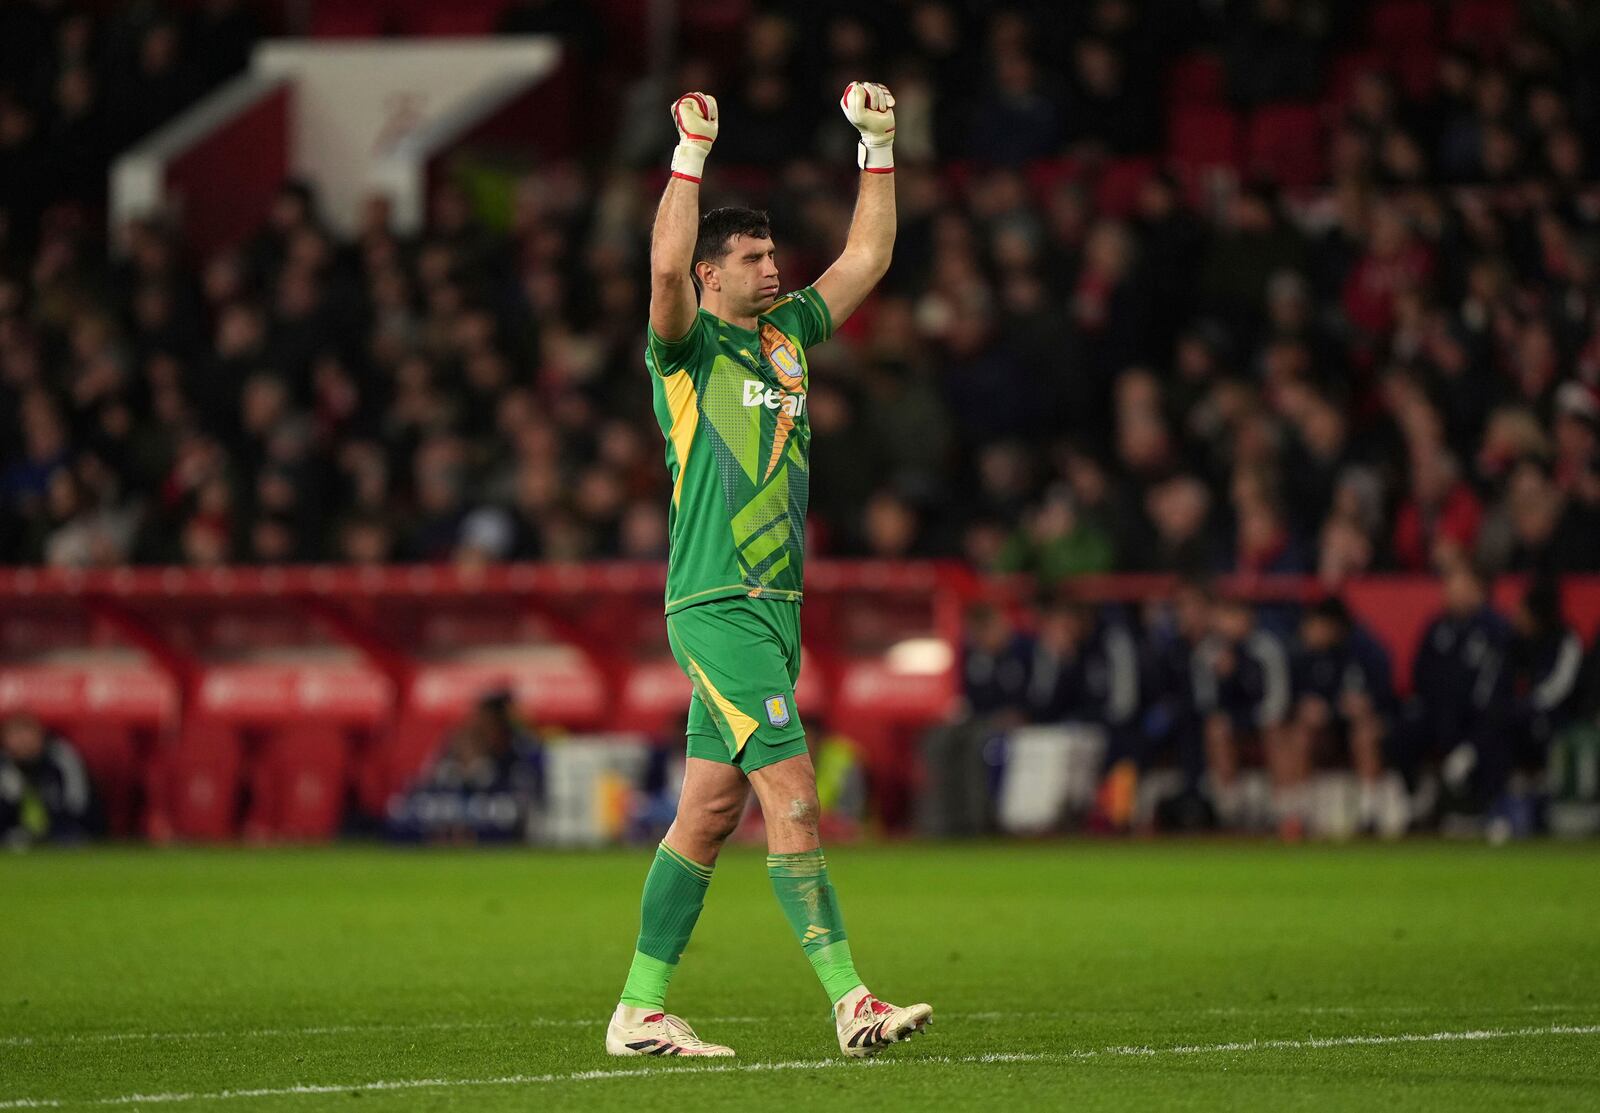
(1232, 621)
(1463, 594)
(22, 738)
(1319, 632)
(747, 278)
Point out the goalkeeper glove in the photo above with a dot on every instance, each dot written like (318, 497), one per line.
(695, 116)
(870, 107)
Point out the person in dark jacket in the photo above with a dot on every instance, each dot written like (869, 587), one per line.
(45, 794)
(1343, 697)
(486, 784)
(1242, 691)
(1461, 683)
(995, 660)
(1546, 662)
(1171, 718)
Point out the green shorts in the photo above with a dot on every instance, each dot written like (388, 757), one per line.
(743, 656)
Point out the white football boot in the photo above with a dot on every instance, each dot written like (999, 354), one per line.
(635, 1031)
(867, 1025)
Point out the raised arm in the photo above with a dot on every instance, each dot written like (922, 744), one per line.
(870, 245)
(672, 300)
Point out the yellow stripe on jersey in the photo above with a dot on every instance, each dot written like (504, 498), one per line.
(685, 421)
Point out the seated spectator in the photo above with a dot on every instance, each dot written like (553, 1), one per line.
(1084, 668)
(486, 785)
(1171, 719)
(1343, 701)
(1546, 661)
(1242, 693)
(1055, 543)
(1440, 511)
(994, 679)
(1460, 690)
(45, 794)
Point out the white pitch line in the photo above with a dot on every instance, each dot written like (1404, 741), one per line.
(591, 1022)
(1308, 1044)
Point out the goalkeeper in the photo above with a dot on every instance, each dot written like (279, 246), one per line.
(728, 372)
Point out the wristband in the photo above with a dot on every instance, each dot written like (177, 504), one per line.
(688, 161)
(876, 159)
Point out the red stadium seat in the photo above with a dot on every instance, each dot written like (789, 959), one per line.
(427, 18)
(655, 698)
(1416, 69)
(109, 712)
(1484, 25)
(110, 753)
(1203, 137)
(349, 19)
(1196, 79)
(1045, 175)
(1284, 144)
(1116, 191)
(297, 782)
(1343, 71)
(195, 782)
(1397, 22)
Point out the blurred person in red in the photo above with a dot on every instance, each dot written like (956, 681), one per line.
(1440, 509)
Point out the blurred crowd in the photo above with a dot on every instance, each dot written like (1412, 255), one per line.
(1231, 715)
(1193, 373)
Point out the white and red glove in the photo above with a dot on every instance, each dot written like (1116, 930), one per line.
(695, 117)
(870, 107)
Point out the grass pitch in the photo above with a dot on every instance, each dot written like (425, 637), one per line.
(1090, 976)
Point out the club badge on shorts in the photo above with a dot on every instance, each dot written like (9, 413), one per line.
(777, 711)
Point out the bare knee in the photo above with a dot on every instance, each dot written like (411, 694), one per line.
(803, 810)
(788, 793)
(716, 819)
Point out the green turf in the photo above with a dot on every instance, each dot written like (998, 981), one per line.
(193, 972)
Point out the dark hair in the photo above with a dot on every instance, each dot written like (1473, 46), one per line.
(718, 226)
(1332, 608)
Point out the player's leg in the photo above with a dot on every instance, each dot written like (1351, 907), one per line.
(709, 807)
(787, 790)
(674, 889)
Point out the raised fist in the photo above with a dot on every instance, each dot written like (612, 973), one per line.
(695, 117)
(870, 107)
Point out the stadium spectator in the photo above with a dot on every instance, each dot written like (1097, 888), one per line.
(995, 666)
(1076, 365)
(1343, 701)
(1084, 668)
(45, 794)
(1461, 691)
(486, 784)
(1546, 662)
(1171, 721)
(1242, 693)
(1347, 320)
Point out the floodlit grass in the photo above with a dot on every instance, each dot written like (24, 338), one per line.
(1256, 977)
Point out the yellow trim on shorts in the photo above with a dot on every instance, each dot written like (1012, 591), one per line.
(742, 725)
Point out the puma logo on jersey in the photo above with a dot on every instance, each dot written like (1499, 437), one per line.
(758, 393)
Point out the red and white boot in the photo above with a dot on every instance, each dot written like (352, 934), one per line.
(867, 1025)
(635, 1031)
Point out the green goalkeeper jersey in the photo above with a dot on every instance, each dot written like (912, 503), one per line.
(732, 405)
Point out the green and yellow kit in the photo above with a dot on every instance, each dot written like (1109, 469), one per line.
(731, 403)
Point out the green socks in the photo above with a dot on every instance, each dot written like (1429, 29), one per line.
(801, 882)
(674, 891)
